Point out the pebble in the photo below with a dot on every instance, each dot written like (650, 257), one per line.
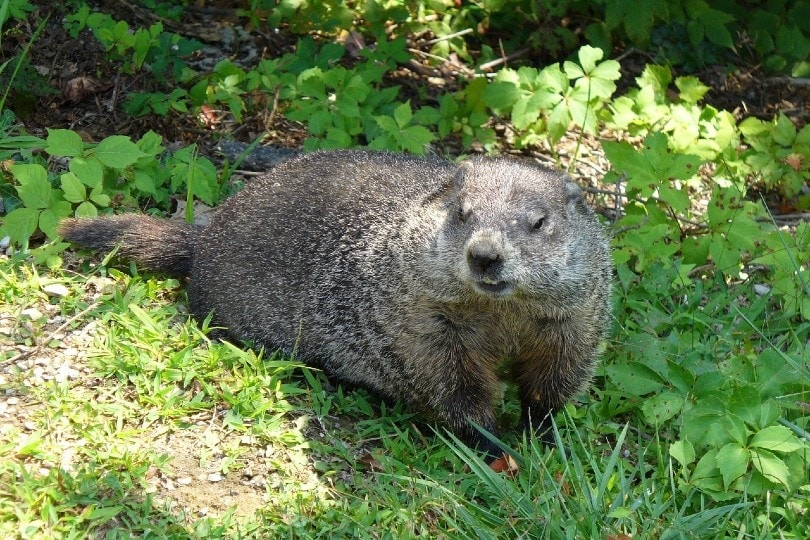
(66, 373)
(215, 477)
(56, 289)
(761, 289)
(32, 313)
(184, 481)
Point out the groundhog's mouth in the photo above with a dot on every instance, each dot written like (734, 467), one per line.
(497, 288)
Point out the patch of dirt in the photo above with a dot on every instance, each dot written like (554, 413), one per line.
(196, 482)
(210, 469)
(45, 349)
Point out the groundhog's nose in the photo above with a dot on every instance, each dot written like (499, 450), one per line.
(485, 260)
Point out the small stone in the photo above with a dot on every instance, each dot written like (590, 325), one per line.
(32, 313)
(56, 289)
(184, 481)
(28, 425)
(66, 373)
(248, 440)
(215, 477)
(761, 289)
(12, 400)
(202, 511)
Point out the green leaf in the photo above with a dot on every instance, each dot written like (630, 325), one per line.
(89, 170)
(86, 210)
(747, 403)
(732, 461)
(691, 89)
(706, 467)
(661, 407)
(337, 138)
(654, 166)
(20, 224)
(403, 114)
(501, 95)
(777, 439)
(696, 32)
(64, 142)
(634, 378)
(683, 452)
(553, 78)
(785, 130)
(50, 217)
(771, 467)
(639, 171)
(636, 16)
(415, 138)
(117, 152)
(714, 22)
(99, 197)
(151, 143)
(73, 188)
(34, 189)
(318, 122)
(387, 124)
(573, 70)
(524, 113)
(588, 57)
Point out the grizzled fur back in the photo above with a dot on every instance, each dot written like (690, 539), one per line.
(413, 277)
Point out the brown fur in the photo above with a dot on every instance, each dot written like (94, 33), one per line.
(410, 276)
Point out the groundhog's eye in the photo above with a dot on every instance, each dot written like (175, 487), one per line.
(538, 224)
(464, 213)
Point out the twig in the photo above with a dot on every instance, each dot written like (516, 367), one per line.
(450, 36)
(26, 354)
(459, 67)
(489, 65)
(787, 80)
(791, 217)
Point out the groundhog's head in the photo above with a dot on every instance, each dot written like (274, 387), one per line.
(515, 229)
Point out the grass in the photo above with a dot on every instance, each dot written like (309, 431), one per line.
(157, 432)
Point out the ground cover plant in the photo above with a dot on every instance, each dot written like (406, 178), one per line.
(120, 417)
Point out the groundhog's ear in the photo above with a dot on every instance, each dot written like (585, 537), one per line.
(574, 195)
(451, 186)
(573, 191)
(462, 173)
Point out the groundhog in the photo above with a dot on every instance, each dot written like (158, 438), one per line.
(419, 279)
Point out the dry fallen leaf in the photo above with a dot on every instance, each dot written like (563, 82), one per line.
(505, 464)
(371, 463)
(78, 88)
(795, 161)
(564, 486)
(353, 42)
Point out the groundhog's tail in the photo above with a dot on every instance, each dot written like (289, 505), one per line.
(159, 245)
